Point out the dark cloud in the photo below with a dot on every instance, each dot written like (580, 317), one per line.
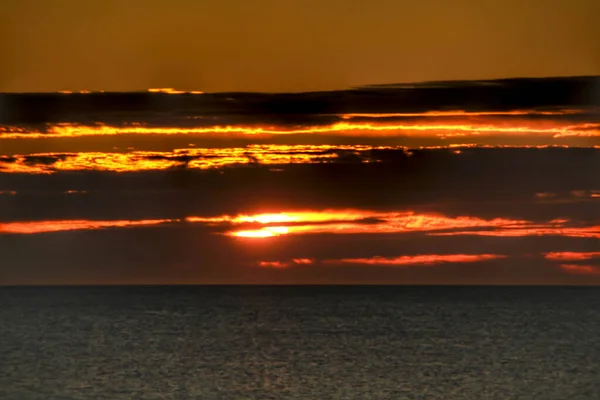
(8, 159)
(295, 109)
(482, 181)
(34, 160)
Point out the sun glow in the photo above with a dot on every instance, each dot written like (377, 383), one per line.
(268, 225)
(353, 221)
(301, 216)
(268, 231)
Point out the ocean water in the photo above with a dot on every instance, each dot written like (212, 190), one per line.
(300, 343)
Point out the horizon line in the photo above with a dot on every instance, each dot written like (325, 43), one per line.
(273, 285)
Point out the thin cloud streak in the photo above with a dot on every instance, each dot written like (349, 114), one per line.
(378, 261)
(463, 113)
(571, 256)
(425, 130)
(556, 229)
(285, 264)
(581, 269)
(422, 259)
(36, 227)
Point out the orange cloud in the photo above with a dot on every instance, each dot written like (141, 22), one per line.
(304, 261)
(423, 259)
(197, 158)
(422, 127)
(211, 158)
(172, 91)
(580, 269)
(34, 227)
(273, 264)
(285, 264)
(556, 229)
(349, 221)
(568, 255)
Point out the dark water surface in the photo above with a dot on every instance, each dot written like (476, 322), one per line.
(300, 343)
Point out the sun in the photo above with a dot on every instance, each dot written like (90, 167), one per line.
(267, 218)
(268, 231)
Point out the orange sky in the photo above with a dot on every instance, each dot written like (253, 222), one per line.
(292, 45)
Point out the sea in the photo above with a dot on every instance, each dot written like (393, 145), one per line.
(299, 342)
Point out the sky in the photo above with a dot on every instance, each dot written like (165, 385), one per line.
(476, 182)
(269, 142)
(289, 46)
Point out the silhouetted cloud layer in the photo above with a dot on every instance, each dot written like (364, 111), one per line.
(297, 108)
(556, 110)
